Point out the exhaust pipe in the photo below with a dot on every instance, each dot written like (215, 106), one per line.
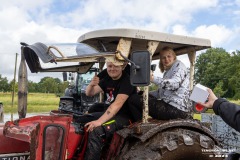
(1, 113)
(22, 87)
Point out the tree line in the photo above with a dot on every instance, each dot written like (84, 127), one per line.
(220, 71)
(214, 68)
(46, 85)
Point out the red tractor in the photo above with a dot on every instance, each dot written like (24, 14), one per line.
(58, 136)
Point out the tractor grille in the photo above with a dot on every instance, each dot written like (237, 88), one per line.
(88, 98)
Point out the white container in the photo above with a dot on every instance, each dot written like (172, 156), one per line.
(199, 93)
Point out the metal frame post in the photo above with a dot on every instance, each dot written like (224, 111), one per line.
(152, 46)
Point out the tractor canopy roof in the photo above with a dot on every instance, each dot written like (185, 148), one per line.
(111, 45)
(109, 39)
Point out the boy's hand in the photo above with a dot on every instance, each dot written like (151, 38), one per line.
(95, 81)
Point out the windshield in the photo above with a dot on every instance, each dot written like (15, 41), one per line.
(42, 57)
(72, 49)
(84, 80)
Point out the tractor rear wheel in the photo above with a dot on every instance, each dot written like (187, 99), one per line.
(173, 144)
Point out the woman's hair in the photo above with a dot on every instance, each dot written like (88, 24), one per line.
(169, 49)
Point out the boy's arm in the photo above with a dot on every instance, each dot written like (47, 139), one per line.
(110, 112)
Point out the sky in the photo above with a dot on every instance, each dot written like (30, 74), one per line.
(61, 21)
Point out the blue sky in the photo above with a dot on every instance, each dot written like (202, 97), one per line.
(64, 21)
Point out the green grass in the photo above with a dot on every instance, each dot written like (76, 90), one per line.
(44, 102)
(235, 101)
(37, 102)
(197, 116)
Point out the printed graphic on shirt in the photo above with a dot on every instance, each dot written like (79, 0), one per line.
(110, 96)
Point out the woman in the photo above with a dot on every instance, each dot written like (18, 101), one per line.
(171, 100)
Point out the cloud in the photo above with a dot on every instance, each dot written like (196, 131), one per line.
(63, 21)
(17, 26)
(180, 30)
(238, 2)
(218, 34)
(154, 14)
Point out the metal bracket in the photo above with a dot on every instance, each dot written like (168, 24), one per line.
(152, 46)
(124, 46)
(192, 56)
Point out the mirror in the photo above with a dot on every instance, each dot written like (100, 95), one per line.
(64, 76)
(53, 139)
(140, 69)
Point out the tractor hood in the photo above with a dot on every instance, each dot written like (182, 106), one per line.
(39, 132)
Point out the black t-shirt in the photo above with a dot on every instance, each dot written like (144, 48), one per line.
(112, 88)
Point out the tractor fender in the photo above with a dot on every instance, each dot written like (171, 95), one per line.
(145, 131)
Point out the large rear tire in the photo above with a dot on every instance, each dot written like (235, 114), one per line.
(173, 144)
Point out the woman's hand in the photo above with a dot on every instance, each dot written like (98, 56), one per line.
(151, 76)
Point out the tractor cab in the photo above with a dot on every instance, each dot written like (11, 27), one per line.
(138, 47)
(75, 93)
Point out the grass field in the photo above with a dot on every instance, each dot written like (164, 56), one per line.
(37, 102)
(44, 102)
